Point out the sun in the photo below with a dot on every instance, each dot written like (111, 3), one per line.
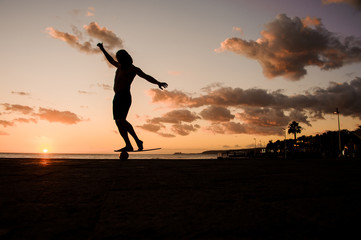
(45, 150)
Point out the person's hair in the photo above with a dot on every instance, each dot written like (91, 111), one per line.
(124, 58)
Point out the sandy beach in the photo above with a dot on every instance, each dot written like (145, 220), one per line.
(179, 199)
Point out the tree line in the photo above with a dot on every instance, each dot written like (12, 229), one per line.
(324, 145)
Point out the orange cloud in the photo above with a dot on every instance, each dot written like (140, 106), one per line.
(18, 108)
(72, 40)
(5, 123)
(51, 115)
(90, 12)
(93, 30)
(174, 73)
(26, 120)
(309, 22)
(110, 39)
(238, 29)
(175, 98)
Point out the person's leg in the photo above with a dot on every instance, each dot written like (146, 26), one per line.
(131, 131)
(122, 127)
(121, 105)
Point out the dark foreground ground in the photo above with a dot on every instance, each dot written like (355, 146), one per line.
(185, 199)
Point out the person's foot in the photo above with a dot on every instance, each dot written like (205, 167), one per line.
(140, 145)
(126, 149)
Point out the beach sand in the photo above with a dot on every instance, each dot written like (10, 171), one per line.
(179, 199)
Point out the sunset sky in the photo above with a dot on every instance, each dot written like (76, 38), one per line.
(238, 72)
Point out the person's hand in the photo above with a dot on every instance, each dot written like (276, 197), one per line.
(100, 45)
(162, 85)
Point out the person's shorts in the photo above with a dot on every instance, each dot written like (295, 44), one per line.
(121, 104)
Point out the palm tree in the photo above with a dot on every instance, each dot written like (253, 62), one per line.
(294, 128)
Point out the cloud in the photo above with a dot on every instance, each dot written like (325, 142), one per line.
(238, 29)
(110, 39)
(216, 114)
(240, 128)
(256, 111)
(184, 129)
(90, 12)
(85, 92)
(175, 98)
(271, 117)
(76, 12)
(20, 93)
(18, 108)
(318, 101)
(223, 96)
(51, 115)
(26, 120)
(354, 3)
(93, 30)
(288, 46)
(105, 86)
(156, 128)
(2, 133)
(152, 127)
(263, 117)
(5, 123)
(174, 73)
(72, 40)
(176, 118)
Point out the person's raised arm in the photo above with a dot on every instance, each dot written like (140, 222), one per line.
(107, 56)
(151, 79)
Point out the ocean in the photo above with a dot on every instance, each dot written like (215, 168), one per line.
(108, 156)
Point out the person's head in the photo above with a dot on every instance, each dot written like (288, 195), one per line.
(124, 58)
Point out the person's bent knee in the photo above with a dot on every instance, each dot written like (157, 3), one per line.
(121, 122)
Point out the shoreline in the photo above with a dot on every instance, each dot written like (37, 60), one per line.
(161, 199)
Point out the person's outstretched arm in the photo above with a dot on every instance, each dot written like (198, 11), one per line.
(151, 79)
(108, 57)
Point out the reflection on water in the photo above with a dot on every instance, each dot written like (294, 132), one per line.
(44, 162)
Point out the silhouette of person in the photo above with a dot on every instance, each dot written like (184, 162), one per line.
(124, 77)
